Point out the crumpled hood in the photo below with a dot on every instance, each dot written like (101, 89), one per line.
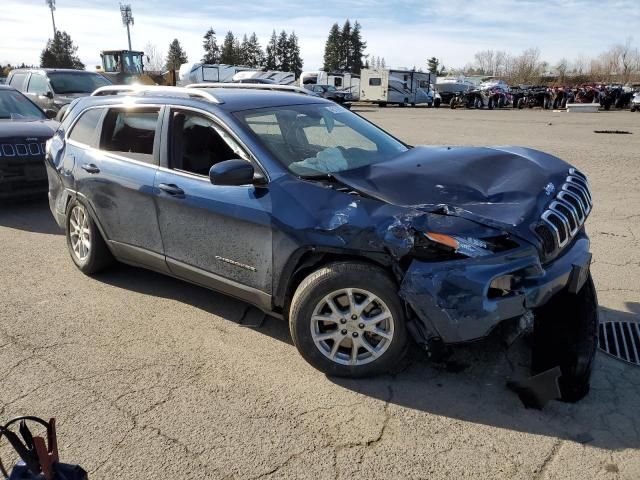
(504, 187)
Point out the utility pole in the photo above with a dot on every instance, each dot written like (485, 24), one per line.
(127, 19)
(52, 6)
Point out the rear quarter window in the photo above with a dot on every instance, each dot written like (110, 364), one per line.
(84, 129)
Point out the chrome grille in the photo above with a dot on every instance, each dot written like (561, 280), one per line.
(26, 149)
(566, 214)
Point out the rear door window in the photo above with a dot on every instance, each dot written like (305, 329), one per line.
(131, 133)
(38, 84)
(84, 130)
(17, 81)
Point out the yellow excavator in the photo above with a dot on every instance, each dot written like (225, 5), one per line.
(127, 67)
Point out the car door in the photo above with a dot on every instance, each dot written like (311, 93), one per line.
(117, 179)
(39, 91)
(217, 236)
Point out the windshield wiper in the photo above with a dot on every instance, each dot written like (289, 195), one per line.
(325, 176)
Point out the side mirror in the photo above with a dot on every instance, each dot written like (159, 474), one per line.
(48, 94)
(232, 172)
(51, 114)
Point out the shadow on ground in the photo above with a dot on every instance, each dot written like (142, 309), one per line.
(29, 215)
(474, 390)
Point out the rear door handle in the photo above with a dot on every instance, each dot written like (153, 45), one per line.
(90, 168)
(171, 189)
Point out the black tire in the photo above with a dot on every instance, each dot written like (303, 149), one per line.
(437, 102)
(61, 113)
(332, 278)
(566, 335)
(99, 256)
(520, 103)
(452, 104)
(490, 104)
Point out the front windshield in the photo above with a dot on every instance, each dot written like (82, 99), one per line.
(331, 88)
(15, 106)
(320, 139)
(71, 82)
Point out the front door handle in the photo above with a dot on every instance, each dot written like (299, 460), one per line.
(171, 189)
(90, 168)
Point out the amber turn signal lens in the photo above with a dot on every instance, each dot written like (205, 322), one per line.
(443, 239)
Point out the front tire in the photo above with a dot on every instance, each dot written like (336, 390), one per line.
(347, 320)
(86, 246)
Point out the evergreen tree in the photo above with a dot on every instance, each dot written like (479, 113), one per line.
(272, 46)
(345, 46)
(211, 49)
(357, 49)
(332, 49)
(282, 53)
(254, 56)
(382, 63)
(237, 52)
(228, 53)
(295, 61)
(433, 63)
(60, 53)
(176, 56)
(243, 55)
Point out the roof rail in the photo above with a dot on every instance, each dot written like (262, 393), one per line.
(153, 90)
(253, 86)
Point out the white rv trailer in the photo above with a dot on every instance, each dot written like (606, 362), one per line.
(349, 82)
(201, 73)
(402, 87)
(281, 78)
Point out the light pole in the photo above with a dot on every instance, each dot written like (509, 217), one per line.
(127, 19)
(52, 6)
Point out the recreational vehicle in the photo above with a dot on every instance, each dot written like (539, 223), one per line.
(348, 82)
(201, 73)
(401, 87)
(281, 78)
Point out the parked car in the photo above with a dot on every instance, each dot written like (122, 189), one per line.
(53, 89)
(635, 102)
(24, 129)
(330, 93)
(315, 215)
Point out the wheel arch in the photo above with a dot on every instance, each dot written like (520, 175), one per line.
(308, 259)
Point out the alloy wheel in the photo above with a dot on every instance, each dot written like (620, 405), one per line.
(80, 233)
(352, 326)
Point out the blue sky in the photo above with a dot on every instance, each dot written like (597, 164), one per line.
(405, 32)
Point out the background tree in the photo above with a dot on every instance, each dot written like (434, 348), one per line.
(272, 46)
(332, 50)
(358, 47)
(60, 52)
(228, 54)
(295, 61)
(433, 64)
(176, 56)
(254, 56)
(154, 60)
(211, 48)
(345, 46)
(282, 53)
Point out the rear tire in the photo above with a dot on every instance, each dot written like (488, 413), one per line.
(370, 286)
(566, 335)
(87, 248)
(437, 102)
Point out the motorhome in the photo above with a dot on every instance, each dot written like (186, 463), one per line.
(402, 87)
(343, 81)
(281, 78)
(201, 72)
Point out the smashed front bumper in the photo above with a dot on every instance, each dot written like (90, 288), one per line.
(454, 299)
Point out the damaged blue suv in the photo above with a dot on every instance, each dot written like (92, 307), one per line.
(311, 213)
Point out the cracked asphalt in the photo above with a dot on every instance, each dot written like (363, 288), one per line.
(150, 377)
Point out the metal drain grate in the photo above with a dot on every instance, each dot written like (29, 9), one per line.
(620, 340)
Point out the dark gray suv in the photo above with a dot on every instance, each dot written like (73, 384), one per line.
(53, 89)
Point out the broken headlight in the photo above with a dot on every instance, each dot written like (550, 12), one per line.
(448, 247)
